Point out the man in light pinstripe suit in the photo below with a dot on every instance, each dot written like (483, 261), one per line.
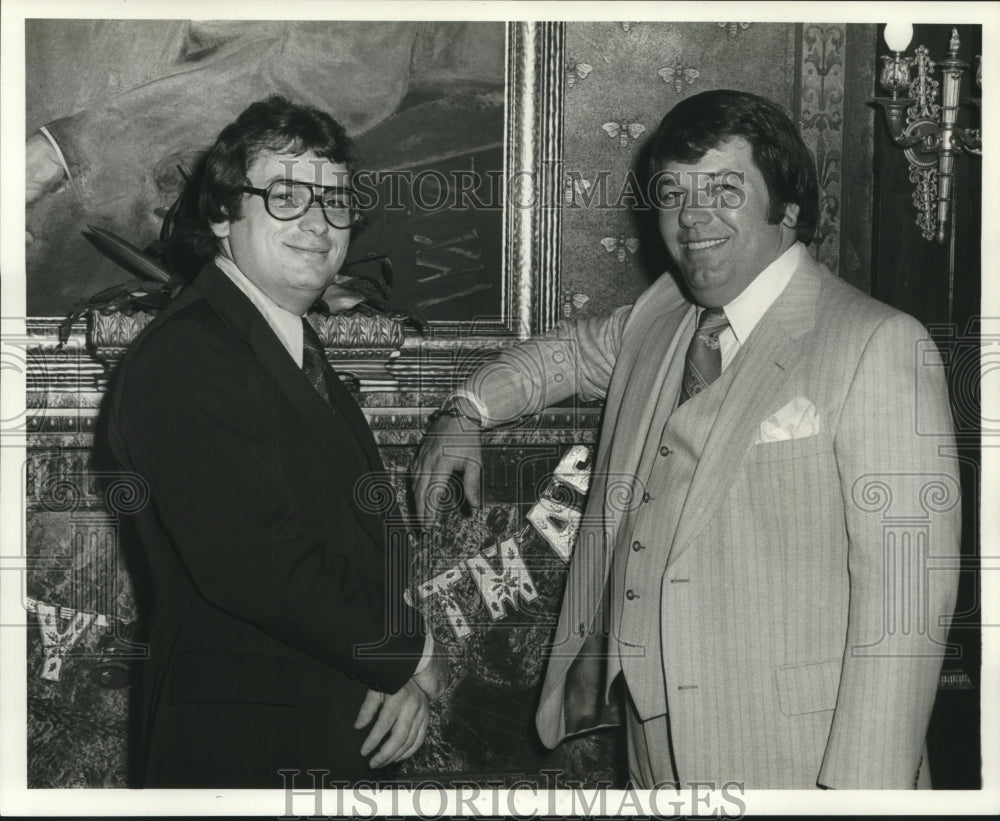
(764, 561)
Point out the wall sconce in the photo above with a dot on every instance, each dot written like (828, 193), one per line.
(926, 131)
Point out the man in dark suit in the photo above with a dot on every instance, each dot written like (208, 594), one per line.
(278, 629)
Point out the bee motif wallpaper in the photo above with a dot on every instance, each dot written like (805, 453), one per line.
(622, 77)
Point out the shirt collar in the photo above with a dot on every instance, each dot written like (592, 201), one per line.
(745, 311)
(286, 325)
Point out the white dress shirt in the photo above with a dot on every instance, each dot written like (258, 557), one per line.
(745, 311)
(286, 325)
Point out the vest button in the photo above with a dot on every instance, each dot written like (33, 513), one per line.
(665, 451)
(646, 497)
(637, 545)
(631, 594)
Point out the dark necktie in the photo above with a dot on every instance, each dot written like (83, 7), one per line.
(314, 362)
(327, 383)
(704, 356)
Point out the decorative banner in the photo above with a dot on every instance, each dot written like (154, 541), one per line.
(511, 584)
(441, 586)
(55, 642)
(574, 469)
(557, 524)
(556, 518)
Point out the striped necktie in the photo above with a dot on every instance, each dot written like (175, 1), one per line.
(314, 362)
(704, 355)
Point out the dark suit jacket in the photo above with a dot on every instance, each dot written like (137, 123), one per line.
(267, 555)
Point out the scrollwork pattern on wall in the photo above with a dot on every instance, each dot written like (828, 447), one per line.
(821, 124)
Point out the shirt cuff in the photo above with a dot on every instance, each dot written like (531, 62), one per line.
(470, 405)
(428, 654)
(62, 160)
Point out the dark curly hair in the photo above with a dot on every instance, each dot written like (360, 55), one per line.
(212, 193)
(700, 123)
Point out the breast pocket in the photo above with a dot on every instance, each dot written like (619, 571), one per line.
(789, 448)
(788, 478)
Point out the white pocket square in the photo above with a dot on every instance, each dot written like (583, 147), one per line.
(796, 420)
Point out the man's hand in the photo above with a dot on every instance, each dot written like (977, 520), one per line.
(43, 171)
(452, 444)
(403, 716)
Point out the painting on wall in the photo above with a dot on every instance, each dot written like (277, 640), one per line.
(131, 106)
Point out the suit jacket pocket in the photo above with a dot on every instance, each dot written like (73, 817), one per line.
(789, 448)
(808, 688)
(232, 678)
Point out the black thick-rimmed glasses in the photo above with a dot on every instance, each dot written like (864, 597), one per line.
(288, 199)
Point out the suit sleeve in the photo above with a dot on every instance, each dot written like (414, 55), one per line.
(895, 453)
(573, 359)
(203, 438)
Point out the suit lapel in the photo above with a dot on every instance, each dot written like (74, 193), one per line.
(651, 352)
(763, 364)
(351, 414)
(338, 441)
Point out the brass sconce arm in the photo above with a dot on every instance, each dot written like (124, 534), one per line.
(926, 130)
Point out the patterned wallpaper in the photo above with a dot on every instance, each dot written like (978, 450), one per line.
(621, 78)
(820, 112)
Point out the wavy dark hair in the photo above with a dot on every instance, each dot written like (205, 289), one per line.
(700, 123)
(212, 193)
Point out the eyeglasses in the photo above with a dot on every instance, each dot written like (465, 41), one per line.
(287, 199)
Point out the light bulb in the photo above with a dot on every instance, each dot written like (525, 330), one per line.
(898, 35)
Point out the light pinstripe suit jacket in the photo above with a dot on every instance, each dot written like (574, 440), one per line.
(806, 647)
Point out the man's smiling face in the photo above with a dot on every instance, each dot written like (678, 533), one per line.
(291, 261)
(713, 219)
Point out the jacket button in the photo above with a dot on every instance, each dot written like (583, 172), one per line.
(646, 497)
(631, 594)
(637, 545)
(583, 628)
(665, 451)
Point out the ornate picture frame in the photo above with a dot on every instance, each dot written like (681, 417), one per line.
(376, 360)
